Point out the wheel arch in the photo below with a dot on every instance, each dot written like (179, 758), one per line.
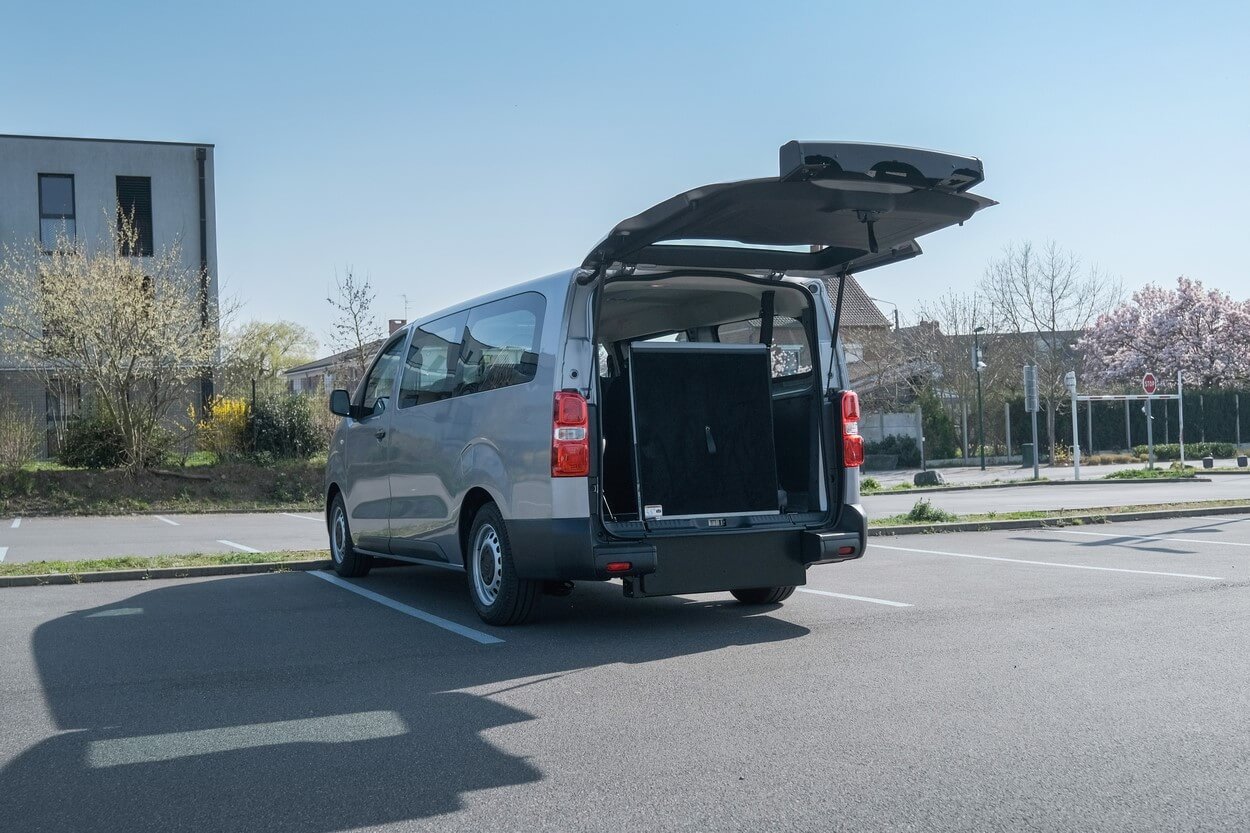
(474, 499)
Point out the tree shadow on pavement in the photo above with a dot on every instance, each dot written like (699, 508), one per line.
(281, 703)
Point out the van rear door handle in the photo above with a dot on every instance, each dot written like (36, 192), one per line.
(380, 433)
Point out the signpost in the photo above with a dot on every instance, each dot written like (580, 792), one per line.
(1149, 384)
(1069, 380)
(1031, 402)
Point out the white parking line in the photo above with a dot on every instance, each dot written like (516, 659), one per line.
(301, 517)
(236, 546)
(1046, 563)
(1153, 538)
(16, 523)
(416, 613)
(3, 552)
(165, 520)
(853, 598)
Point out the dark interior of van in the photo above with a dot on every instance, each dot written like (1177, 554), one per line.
(714, 378)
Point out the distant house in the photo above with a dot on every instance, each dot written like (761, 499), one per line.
(327, 373)
(76, 187)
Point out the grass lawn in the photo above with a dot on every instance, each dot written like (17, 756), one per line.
(1157, 473)
(135, 562)
(927, 516)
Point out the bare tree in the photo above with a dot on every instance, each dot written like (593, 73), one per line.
(127, 331)
(354, 328)
(1048, 299)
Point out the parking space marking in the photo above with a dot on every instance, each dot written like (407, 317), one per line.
(236, 546)
(853, 598)
(301, 517)
(165, 520)
(16, 523)
(3, 552)
(1153, 538)
(1047, 563)
(416, 613)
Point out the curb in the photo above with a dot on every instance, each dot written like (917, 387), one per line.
(1066, 520)
(276, 510)
(1101, 481)
(163, 572)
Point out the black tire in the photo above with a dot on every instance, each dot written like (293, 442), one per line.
(763, 595)
(347, 562)
(500, 596)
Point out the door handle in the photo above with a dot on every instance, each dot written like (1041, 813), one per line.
(380, 433)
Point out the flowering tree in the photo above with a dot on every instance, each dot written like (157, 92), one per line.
(1203, 333)
(130, 332)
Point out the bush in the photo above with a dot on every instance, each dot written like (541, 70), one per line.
(904, 448)
(940, 440)
(19, 437)
(1175, 470)
(282, 427)
(926, 512)
(93, 442)
(224, 430)
(869, 485)
(1172, 451)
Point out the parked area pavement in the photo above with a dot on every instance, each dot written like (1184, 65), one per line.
(972, 475)
(1090, 679)
(1061, 496)
(78, 538)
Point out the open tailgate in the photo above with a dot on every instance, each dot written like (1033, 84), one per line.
(835, 207)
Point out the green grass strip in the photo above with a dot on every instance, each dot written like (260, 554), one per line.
(150, 562)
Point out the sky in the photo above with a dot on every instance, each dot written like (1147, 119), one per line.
(446, 150)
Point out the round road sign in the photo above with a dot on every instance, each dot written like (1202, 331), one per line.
(1149, 383)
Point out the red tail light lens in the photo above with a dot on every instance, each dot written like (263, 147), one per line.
(852, 442)
(570, 435)
(619, 566)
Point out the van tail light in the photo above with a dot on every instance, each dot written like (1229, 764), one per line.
(570, 435)
(852, 442)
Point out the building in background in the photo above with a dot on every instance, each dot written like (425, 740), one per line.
(54, 184)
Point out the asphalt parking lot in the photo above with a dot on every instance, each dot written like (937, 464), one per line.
(1078, 679)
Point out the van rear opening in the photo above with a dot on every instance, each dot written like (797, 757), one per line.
(708, 406)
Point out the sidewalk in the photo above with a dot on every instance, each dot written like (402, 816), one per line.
(969, 475)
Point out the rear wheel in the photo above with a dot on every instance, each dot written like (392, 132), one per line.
(499, 594)
(347, 562)
(763, 595)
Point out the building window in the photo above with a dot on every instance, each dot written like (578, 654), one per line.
(56, 209)
(134, 203)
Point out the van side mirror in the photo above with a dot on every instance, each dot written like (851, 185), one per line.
(341, 403)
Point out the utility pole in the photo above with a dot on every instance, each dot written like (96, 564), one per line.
(978, 365)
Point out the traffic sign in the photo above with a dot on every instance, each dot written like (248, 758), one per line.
(1030, 389)
(1149, 383)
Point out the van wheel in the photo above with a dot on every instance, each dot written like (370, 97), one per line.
(763, 595)
(499, 594)
(347, 562)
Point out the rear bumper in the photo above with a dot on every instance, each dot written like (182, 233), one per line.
(565, 549)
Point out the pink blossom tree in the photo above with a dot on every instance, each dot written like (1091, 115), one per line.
(1202, 332)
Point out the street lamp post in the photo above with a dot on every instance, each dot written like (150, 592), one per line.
(978, 366)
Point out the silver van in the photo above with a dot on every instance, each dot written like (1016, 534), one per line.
(673, 413)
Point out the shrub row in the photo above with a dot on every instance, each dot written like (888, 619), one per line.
(1172, 451)
(905, 448)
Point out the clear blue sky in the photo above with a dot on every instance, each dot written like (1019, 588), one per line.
(452, 148)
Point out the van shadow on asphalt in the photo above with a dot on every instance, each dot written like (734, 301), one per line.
(279, 703)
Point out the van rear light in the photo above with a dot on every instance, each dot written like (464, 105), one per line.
(619, 566)
(852, 442)
(570, 435)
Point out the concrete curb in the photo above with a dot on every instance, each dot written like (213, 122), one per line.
(163, 572)
(276, 510)
(1014, 484)
(1067, 520)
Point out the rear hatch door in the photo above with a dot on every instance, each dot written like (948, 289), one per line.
(833, 208)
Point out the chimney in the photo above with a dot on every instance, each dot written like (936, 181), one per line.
(394, 324)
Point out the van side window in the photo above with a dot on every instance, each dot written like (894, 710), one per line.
(381, 379)
(791, 352)
(501, 344)
(430, 369)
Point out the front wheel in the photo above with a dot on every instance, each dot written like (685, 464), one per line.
(347, 561)
(763, 595)
(499, 594)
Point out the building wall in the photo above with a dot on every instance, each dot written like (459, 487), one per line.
(95, 165)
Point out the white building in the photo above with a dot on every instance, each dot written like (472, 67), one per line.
(48, 184)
